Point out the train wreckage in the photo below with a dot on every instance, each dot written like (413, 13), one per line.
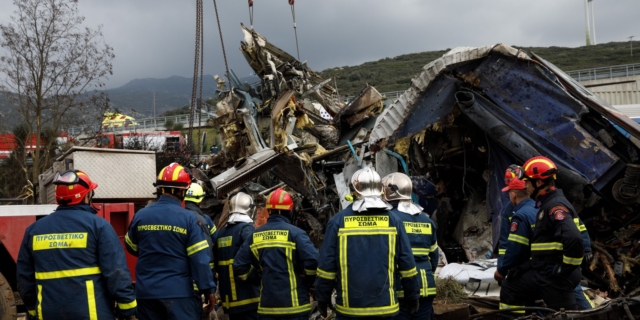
(464, 119)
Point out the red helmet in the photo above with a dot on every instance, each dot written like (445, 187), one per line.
(173, 176)
(279, 200)
(514, 184)
(72, 186)
(539, 168)
(514, 171)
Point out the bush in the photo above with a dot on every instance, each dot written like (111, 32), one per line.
(169, 124)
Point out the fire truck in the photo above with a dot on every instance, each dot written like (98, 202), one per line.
(125, 179)
(9, 142)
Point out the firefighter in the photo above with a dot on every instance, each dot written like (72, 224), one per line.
(192, 201)
(364, 246)
(521, 228)
(513, 171)
(286, 258)
(71, 263)
(421, 231)
(239, 298)
(556, 248)
(172, 253)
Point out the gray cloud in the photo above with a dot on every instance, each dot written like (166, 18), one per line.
(155, 38)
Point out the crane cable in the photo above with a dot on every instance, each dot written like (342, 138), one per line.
(295, 30)
(224, 54)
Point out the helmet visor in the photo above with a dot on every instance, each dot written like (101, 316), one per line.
(69, 178)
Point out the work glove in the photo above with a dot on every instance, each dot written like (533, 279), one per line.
(212, 303)
(322, 307)
(413, 306)
(588, 257)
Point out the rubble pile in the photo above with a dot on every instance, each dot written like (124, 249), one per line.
(466, 117)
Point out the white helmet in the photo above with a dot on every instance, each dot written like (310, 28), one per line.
(242, 203)
(397, 187)
(366, 183)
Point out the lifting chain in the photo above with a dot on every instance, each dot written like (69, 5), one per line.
(198, 61)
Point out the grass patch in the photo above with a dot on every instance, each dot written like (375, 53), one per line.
(449, 291)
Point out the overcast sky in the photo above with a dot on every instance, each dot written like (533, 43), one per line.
(155, 38)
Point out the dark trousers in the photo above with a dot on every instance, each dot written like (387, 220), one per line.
(248, 315)
(582, 300)
(424, 313)
(557, 292)
(170, 309)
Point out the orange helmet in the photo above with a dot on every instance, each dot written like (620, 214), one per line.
(539, 168)
(514, 171)
(72, 186)
(173, 176)
(279, 200)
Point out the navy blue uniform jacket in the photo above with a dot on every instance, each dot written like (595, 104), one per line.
(282, 253)
(71, 265)
(172, 251)
(360, 256)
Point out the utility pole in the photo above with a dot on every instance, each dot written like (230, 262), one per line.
(631, 44)
(155, 121)
(587, 26)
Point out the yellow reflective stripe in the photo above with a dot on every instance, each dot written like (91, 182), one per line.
(344, 270)
(273, 244)
(244, 276)
(127, 306)
(326, 274)
(211, 265)
(48, 275)
(502, 252)
(519, 239)
(277, 206)
(91, 298)
(239, 303)
(285, 310)
(32, 313)
(225, 262)
(130, 243)
(292, 278)
(213, 229)
(425, 283)
(504, 306)
(582, 228)
(572, 261)
(589, 300)
(546, 246)
(39, 302)
(376, 311)
(400, 293)
(197, 247)
(310, 272)
(195, 287)
(391, 265)
(431, 291)
(420, 251)
(367, 231)
(434, 247)
(408, 273)
(232, 280)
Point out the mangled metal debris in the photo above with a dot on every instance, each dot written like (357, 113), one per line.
(465, 118)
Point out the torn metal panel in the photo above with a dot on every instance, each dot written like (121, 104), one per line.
(365, 105)
(244, 171)
(392, 117)
(292, 171)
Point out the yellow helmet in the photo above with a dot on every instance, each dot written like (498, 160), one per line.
(195, 193)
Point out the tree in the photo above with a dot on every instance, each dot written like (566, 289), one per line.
(51, 63)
